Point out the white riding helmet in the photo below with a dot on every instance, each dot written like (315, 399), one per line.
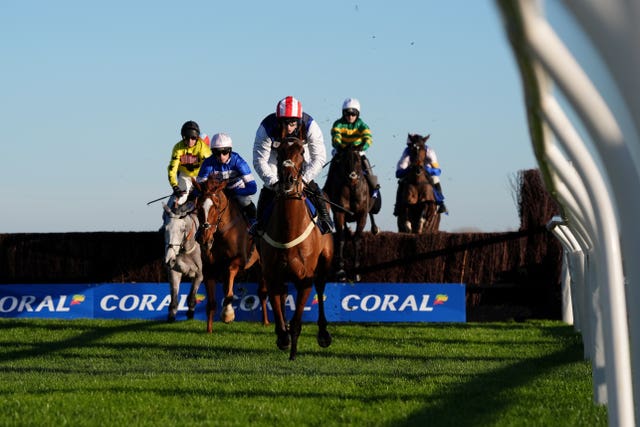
(221, 140)
(351, 103)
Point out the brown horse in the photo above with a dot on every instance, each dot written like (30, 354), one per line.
(227, 248)
(351, 202)
(292, 249)
(417, 211)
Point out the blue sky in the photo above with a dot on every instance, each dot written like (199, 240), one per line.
(94, 94)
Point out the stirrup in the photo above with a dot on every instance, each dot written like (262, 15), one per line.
(442, 209)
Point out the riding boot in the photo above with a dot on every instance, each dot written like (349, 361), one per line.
(396, 207)
(440, 200)
(249, 212)
(324, 219)
(372, 180)
(266, 196)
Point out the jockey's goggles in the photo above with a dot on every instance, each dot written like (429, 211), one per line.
(222, 151)
(350, 112)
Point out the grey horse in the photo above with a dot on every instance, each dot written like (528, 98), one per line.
(182, 256)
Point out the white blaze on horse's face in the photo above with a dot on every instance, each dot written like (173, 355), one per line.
(206, 206)
(175, 232)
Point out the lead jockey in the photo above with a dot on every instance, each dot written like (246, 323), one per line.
(226, 164)
(290, 120)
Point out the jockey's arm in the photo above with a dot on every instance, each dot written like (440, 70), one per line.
(261, 155)
(317, 153)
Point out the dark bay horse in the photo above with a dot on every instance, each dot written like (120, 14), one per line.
(417, 212)
(227, 248)
(293, 249)
(182, 257)
(351, 202)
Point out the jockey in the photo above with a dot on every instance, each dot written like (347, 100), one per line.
(289, 120)
(186, 158)
(433, 169)
(351, 130)
(226, 164)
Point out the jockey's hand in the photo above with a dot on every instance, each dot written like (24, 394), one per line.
(177, 191)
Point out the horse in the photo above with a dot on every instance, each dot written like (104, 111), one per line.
(227, 247)
(417, 212)
(182, 256)
(351, 202)
(292, 249)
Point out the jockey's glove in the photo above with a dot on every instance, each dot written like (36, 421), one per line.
(177, 191)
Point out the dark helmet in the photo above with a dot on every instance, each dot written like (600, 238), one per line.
(190, 128)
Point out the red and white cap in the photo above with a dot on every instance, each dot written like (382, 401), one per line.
(289, 107)
(205, 138)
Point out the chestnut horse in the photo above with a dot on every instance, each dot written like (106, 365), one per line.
(227, 248)
(417, 212)
(351, 202)
(292, 249)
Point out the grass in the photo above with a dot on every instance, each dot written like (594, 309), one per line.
(142, 373)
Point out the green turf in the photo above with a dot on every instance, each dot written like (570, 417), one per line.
(131, 373)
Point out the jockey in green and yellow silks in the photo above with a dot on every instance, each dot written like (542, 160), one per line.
(351, 130)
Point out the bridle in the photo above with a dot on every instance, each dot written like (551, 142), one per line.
(186, 236)
(292, 188)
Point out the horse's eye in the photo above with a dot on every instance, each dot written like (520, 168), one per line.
(275, 144)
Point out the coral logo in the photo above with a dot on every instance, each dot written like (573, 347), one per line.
(77, 299)
(200, 298)
(315, 299)
(441, 299)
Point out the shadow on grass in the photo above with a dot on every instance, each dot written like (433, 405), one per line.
(483, 398)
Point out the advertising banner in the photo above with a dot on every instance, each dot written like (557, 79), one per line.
(361, 302)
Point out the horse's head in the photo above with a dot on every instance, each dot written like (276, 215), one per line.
(417, 150)
(290, 160)
(351, 164)
(211, 205)
(178, 231)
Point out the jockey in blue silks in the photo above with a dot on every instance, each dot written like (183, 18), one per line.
(226, 164)
(432, 167)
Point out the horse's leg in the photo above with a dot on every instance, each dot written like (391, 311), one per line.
(295, 326)
(228, 314)
(324, 337)
(191, 300)
(210, 284)
(277, 297)
(262, 295)
(174, 284)
(374, 228)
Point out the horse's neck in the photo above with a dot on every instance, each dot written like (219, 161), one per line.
(291, 214)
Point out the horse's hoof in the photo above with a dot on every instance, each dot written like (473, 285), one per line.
(324, 339)
(190, 314)
(356, 278)
(283, 342)
(228, 315)
(375, 230)
(341, 275)
(171, 318)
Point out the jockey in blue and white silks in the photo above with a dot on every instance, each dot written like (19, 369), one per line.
(226, 164)
(432, 167)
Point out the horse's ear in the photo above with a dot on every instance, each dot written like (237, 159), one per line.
(426, 137)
